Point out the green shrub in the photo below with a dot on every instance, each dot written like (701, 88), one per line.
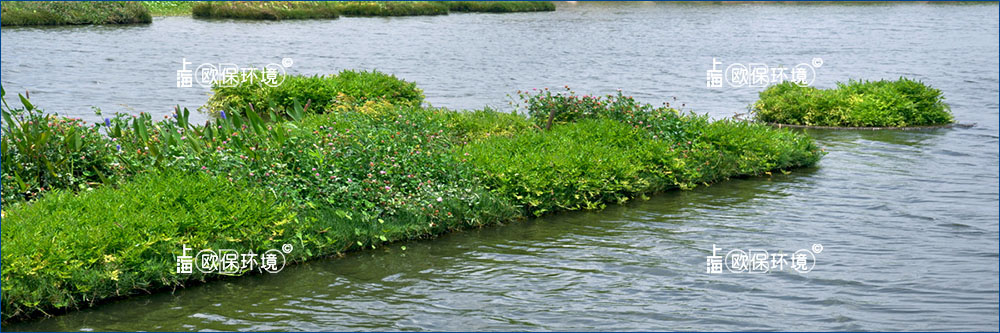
(264, 10)
(348, 88)
(882, 103)
(72, 12)
(500, 6)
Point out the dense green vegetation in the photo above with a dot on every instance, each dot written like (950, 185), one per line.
(169, 8)
(500, 6)
(882, 103)
(119, 202)
(277, 10)
(389, 8)
(264, 10)
(14, 13)
(280, 10)
(120, 12)
(321, 92)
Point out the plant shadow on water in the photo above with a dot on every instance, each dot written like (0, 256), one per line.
(391, 288)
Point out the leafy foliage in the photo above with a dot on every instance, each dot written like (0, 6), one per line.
(882, 103)
(41, 152)
(347, 88)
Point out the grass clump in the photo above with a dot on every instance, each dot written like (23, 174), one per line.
(16, 13)
(169, 8)
(500, 6)
(282, 10)
(883, 103)
(389, 8)
(264, 10)
(321, 92)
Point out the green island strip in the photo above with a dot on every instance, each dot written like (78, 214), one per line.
(264, 10)
(328, 164)
(27, 13)
(16, 13)
(903, 103)
(499, 6)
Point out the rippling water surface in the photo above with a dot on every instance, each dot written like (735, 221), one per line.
(908, 220)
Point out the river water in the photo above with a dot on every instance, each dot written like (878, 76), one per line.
(908, 221)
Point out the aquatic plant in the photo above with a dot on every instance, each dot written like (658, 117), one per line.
(595, 150)
(41, 152)
(169, 8)
(264, 10)
(360, 174)
(883, 103)
(13, 13)
(389, 8)
(322, 92)
(283, 10)
(500, 6)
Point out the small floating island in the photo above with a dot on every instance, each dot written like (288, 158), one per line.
(902, 104)
(328, 164)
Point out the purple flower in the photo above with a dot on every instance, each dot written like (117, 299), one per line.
(223, 114)
(119, 147)
(107, 122)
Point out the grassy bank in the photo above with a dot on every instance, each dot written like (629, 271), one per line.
(280, 10)
(500, 6)
(169, 8)
(15, 13)
(884, 103)
(264, 10)
(276, 10)
(389, 8)
(329, 179)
